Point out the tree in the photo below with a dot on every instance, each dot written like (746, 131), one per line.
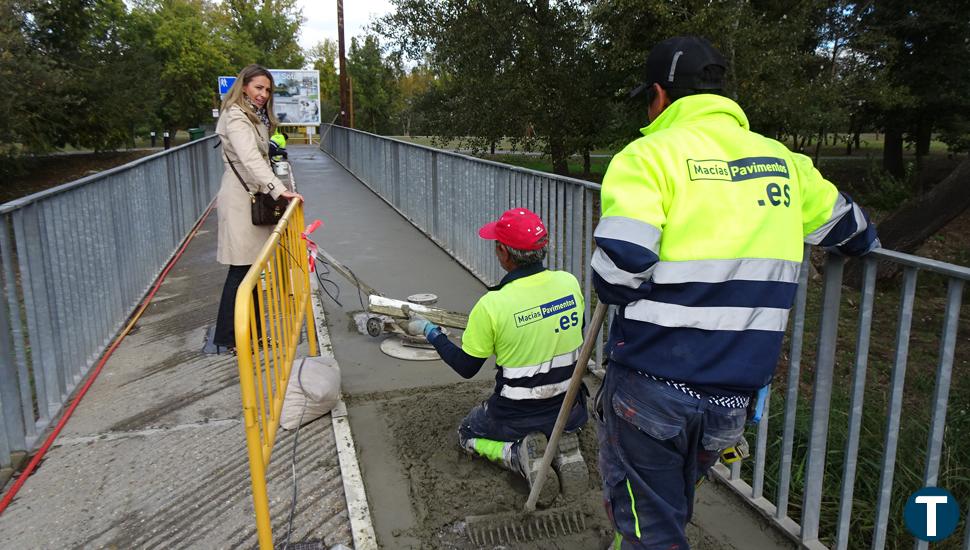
(925, 50)
(770, 48)
(374, 85)
(413, 86)
(505, 66)
(76, 53)
(190, 55)
(265, 32)
(25, 123)
(323, 58)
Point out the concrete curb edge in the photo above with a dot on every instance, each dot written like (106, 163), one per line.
(361, 525)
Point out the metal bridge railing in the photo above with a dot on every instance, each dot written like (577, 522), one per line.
(76, 260)
(448, 196)
(873, 390)
(272, 307)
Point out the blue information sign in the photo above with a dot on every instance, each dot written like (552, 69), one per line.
(225, 82)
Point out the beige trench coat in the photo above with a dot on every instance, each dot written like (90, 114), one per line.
(247, 146)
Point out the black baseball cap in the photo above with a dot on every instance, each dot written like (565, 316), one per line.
(679, 63)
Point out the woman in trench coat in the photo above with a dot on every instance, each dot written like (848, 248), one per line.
(245, 123)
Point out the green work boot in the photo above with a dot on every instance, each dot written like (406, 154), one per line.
(529, 458)
(572, 469)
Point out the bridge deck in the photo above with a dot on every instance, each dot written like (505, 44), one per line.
(404, 414)
(155, 455)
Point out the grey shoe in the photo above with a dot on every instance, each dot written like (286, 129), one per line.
(529, 459)
(569, 463)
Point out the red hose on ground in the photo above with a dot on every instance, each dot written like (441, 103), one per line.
(8, 498)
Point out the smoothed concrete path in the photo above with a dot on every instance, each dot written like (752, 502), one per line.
(155, 455)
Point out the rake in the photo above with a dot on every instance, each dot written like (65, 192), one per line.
(529, 524)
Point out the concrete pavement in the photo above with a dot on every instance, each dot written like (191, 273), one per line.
(155, 454)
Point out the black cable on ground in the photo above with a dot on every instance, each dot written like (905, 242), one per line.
(296, 442)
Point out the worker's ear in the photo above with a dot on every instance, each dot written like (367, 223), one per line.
(501, 252)
(659, 101)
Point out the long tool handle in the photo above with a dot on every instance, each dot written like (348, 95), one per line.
(324, 256)
(592, 333)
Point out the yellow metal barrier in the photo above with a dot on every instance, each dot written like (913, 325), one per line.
(271, 305)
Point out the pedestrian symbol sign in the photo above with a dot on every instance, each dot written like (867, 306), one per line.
(225, 82)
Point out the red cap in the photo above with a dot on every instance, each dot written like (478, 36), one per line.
(518, 228)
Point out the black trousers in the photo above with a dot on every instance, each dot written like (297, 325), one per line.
(225, 334)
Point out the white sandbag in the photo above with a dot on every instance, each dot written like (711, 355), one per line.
(315, 384)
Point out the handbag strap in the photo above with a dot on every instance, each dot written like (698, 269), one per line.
(243, 183)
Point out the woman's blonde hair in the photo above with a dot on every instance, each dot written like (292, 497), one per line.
(237, 97)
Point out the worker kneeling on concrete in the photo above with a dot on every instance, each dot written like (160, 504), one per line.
(532, 321)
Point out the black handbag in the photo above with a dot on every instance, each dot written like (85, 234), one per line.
(263, 208)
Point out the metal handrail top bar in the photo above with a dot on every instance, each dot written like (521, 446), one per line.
(935, 266)
(583, 183)
(17, 204)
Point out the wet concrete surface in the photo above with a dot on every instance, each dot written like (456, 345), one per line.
(404, 415)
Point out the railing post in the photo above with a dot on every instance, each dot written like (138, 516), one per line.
(822, 395)
(942, 392)
(894, 411)
(11, 420)
(17, 406)
(791, 394)
(855, 408)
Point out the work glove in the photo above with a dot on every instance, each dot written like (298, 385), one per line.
(756, 406)
(417, 324)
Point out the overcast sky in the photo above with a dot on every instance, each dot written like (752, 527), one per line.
(321, 19)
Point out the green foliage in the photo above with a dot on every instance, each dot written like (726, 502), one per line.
(323, 58)
(373, 84)
(264, 32)
(94, 73)
(24, 118)
(505, 68)
(189, 56)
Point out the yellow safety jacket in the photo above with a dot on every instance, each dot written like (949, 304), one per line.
(532, 322)
(701, 239)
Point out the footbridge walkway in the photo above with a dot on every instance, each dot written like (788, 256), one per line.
(154, 455)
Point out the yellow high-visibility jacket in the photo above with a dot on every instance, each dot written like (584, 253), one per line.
(701, 239)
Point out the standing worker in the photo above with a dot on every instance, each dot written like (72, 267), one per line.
(699, 244)
(532, 322)
(277, 146)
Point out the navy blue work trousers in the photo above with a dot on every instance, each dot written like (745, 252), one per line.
(480, 423)
(656, 442)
